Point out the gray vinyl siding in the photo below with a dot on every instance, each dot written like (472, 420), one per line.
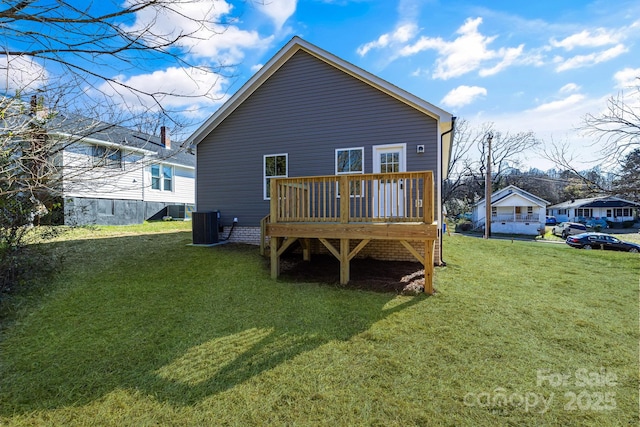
(306, 109)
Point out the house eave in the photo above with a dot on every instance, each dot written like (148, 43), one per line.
(103, 143)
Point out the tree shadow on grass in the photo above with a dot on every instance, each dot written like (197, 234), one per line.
(200, 323)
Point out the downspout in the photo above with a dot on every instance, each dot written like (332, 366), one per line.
(452, 132)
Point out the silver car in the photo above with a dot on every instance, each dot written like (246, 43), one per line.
(565, 229)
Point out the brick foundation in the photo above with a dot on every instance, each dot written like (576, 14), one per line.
(250, 235)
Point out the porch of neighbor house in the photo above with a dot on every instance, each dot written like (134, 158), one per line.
(383, 206)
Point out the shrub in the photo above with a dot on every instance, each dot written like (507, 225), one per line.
(463, 226)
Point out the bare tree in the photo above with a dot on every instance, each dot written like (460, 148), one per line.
(51, 43)
(469, 160)
(615, 132)
(63, 59)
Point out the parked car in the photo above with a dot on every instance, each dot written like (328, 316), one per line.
(551, 220)
(601, 241)
(565, 229)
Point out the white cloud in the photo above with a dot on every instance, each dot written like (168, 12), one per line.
(580, 61)
(418, 72)
(509, 57)
(203, 22)
(466, 53)
(569, 87)
(463, 95)
(554, 122)
(600, 37)
(21, 74)
(279, 11)
(173, 87)
(402, 34)
(561, 104)
(627, 78)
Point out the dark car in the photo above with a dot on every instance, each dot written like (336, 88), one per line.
(601, 241)
(551, 220)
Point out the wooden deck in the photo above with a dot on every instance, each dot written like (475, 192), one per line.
(364, 207)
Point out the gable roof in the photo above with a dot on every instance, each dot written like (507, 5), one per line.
(296, 44)
(596, 202)
(107, 134)
(512, 190)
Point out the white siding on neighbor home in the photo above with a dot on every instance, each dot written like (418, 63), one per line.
(82, 179)
(512, 215)
(184, 189)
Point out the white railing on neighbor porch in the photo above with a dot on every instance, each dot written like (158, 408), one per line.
(515, 218)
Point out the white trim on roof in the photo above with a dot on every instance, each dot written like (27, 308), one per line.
(103, 143)
(577, 203)
(282, 56)
(516, 191)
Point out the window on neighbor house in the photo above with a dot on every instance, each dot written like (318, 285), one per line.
(274, 166)
(167, 178)
(155, 177)
(351, 161)
(162, 177)
(583, 212)
(622, 212)
(562, 211)
(107, 157)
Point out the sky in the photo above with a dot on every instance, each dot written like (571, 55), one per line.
(524, 66)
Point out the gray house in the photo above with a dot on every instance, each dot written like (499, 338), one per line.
(310, 113)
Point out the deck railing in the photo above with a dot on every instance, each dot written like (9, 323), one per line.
(381, 197)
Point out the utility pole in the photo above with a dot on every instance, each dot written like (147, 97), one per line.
(487, 190)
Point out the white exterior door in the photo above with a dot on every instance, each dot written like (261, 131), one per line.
(388, 195)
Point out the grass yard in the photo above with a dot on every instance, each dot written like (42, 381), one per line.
(140, 329)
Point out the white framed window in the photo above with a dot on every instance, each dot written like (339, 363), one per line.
(351, 161)
(585, 212)
(106, 157)
(622, 212)
(274, 166)
(167, 178)
(161, 177)
(155, 177)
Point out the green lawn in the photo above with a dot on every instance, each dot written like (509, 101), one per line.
(140, 329)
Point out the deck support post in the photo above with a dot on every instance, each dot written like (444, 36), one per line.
(275, 257)
(429, 249)
(306, 249)
(344, 261)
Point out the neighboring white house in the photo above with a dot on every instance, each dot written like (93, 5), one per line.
(611, 208)
(117, 176)
(513, 211)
